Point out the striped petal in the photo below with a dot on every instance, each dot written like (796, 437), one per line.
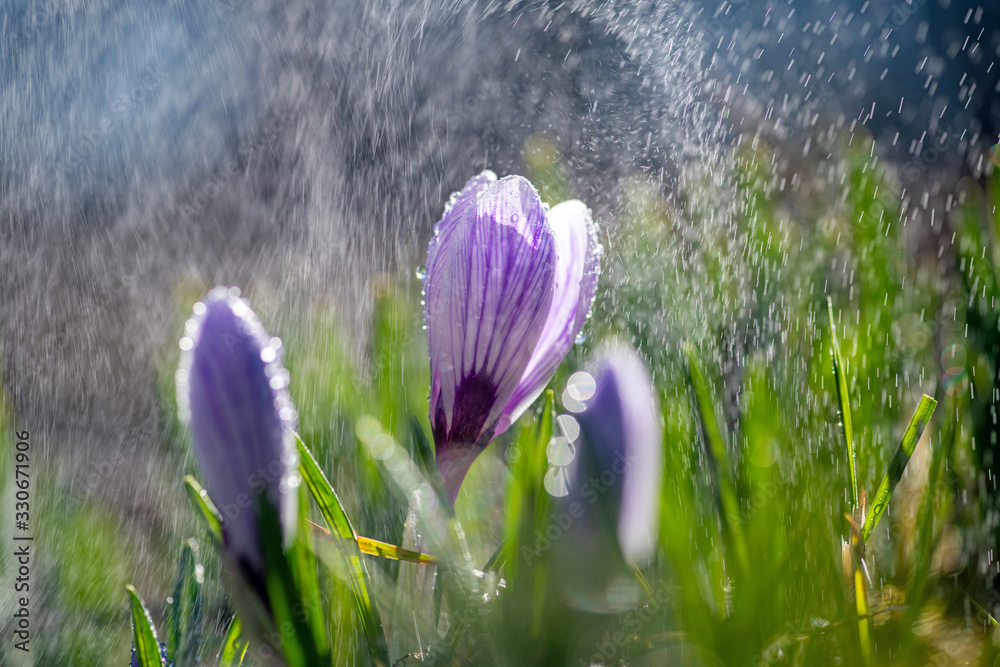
(488, 292)
(578, 255)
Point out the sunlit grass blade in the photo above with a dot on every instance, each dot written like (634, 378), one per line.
(719, 458)
(844, 400)
(861, 603)
(378, 548)
(184, 619)
(538, 507)
(336, 518)
(306, 572)
(425, 452)
(324, 495)
(497, 561)
(146, 646)
(911, 436)
(298, 642)
(206, 509)
(941, 447)
(392, 552)
(233, 648)
(857, 544)
(647, 589)
(983, 611)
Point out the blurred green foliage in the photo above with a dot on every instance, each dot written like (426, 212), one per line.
(737, 267)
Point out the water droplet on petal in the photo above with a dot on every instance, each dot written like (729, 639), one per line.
(421, 272)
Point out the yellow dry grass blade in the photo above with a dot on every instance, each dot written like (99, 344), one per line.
(377, 548)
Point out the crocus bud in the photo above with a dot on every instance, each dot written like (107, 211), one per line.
(231, 393)
(508, 288)
(610, 516)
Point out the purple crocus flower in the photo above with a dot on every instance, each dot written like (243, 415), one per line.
(508, 288)
(614, 490)
(231, 392)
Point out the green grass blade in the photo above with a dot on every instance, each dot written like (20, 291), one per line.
(911, 436)
(146, 646)
(306, 573)
(543, 506)
(719, 458)
(424, 450)
(184, 619)
(205, 508)
(340, 526)
(843, 398)
(863, 609)
(288, 606)
(983, 611)
(233, 650)
(324, 495)
(497, 561)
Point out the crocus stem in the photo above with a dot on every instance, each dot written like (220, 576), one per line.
(413, 625)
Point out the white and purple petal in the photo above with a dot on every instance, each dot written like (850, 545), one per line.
(488, 292)
(231, 393)
(578, 254)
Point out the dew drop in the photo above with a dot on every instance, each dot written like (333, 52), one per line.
(421, 272)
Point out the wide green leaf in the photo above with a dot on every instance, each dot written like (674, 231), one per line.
(146, 646)
(291, 615)
(205, 508)
(185, 616)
